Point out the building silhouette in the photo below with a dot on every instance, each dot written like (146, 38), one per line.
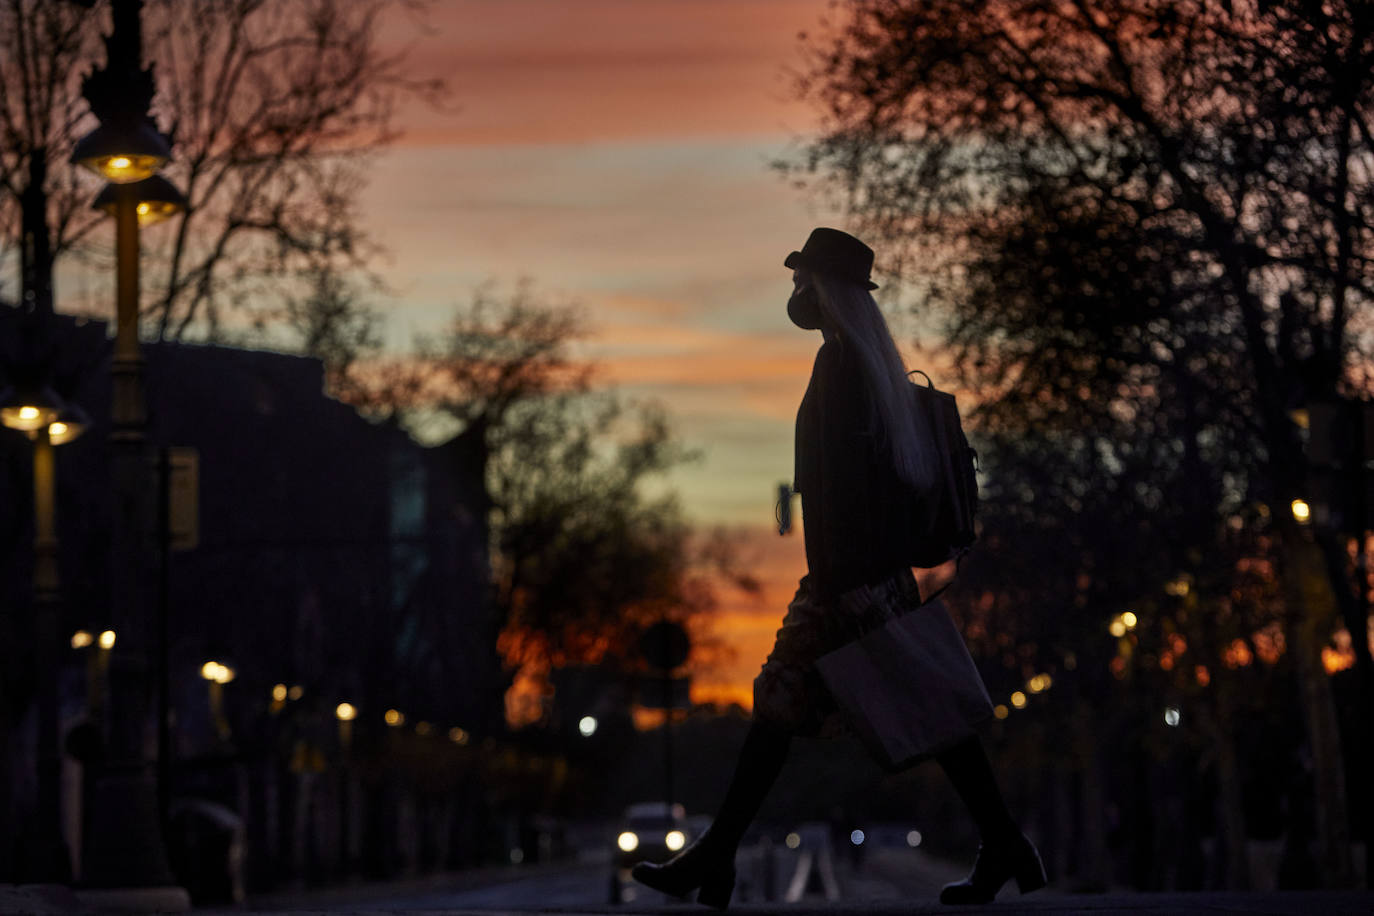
(338, 559)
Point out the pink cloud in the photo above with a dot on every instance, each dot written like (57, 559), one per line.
(545, 71)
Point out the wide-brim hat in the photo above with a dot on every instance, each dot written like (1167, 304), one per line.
(834, 252)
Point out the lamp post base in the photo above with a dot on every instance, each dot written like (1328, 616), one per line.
(124, 855)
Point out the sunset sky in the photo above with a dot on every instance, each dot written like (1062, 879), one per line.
(616, 153)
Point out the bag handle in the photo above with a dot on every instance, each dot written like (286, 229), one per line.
(929, 384)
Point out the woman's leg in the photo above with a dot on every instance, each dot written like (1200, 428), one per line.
(1004, 853)
(967, 766)
(760, 761)
(709, 863)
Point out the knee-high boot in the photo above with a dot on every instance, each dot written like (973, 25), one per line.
(1005, 852)
(709, 863)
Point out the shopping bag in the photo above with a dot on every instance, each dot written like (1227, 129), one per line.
(910, 688)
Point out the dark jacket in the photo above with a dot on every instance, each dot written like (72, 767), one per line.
(857, 513)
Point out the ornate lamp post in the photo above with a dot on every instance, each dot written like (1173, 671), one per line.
(124, 847)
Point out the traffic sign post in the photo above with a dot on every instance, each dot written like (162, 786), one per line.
(665, 646)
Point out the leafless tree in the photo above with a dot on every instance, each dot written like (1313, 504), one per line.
(274, 109)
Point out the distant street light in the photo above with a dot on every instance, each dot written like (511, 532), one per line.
(587, 727)
(40, 414)
(218, 675)
(1302, 512)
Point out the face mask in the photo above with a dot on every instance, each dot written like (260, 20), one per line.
(804, 308)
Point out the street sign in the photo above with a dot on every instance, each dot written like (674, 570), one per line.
(181, 467)
(665, 645)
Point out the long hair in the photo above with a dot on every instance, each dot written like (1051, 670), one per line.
(850, 308)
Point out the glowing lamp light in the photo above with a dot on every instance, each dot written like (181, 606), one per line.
(913, 838)
(1302, 512)
(29, 409)
(214, 671)
(458, 736)
(1001, 711)
(279, 693)
(156, 197)
(675, 840)
(793, 840)
(395, 718)
(295, 693)
(81, 639)
(107, 639)
(627, 841)
(123, 153)
(1172, 716)
(587, 727)
(1129, 619)
(346, 712)
(857, 837)
(1018, 699)
(71, 422)
(1117, 628)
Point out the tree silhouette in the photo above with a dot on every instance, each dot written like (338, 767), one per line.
(274, 108)
(582, 549)
(1146, 228)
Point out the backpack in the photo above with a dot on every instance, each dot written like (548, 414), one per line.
(948, 530)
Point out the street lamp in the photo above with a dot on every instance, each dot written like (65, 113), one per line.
(69, 426)
(28, 408)
(155, 199)
(124, 149)
(123, 153)
(218, 675)
(40, 414)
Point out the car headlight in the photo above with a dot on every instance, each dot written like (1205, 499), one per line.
(627, 841)
(675, 840)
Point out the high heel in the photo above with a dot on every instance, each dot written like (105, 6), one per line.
(999, 862)
(701, 865)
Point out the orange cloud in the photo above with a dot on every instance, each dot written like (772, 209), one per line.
(748, 623)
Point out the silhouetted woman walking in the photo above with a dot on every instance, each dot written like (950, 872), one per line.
(860, 460)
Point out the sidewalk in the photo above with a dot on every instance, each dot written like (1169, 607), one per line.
(1304, 903)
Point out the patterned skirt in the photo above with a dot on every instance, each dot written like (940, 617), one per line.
(789, 692)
